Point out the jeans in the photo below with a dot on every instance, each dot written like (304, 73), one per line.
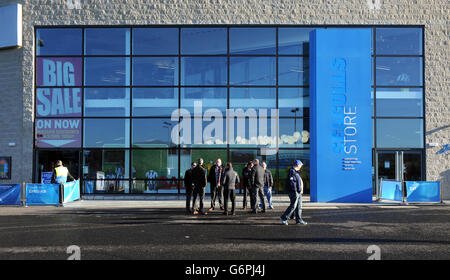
(268, 194)
(258, 192)
(294, 207)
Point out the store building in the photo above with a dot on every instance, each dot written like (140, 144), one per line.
(129, 93)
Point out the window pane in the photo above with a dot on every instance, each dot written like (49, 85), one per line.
(293, 102)
(252, 132)
(285, 161)
(294, 133)
(209, 131)
(293, 71)
(400, 133)
(59, 41)
(252, 41)
(293, 40)
(154, 133)
(106, 102)
(204, 41)
(399, 102)
(399, 41)
(106, 164)
(106, 133)
(154, 101)
(155, 41)
(204, 71)
(107, 41)
(399, 71)
(155, 186)
(155, 71)
(155, 164)
(253, 98)
(252, 71)
(107, 71)
(208, 98)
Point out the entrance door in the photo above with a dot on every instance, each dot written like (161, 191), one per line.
(398, 166)
(46, 162)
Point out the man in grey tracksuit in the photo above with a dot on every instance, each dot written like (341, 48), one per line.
(229, 182)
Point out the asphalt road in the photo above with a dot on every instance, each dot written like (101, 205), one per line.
(334, 232)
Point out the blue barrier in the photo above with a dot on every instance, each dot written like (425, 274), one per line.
(391, 190)
(71, 191)
(10, 194)
(423, 191)
(42, 194)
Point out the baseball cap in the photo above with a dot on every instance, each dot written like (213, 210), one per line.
(298, 162)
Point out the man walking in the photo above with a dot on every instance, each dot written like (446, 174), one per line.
(215, 178)
(294, 186)
(258, 187)
(230, 180)
(247, 183)
(268, 184)
(189, 186)
(199, 181)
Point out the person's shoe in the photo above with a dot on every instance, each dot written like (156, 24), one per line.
(188, 212)
(271, 207)
(263, 211)
(221, 208)
(233, 214)
(284, 222)
(253, 212)
(301, 223)
(195, 212)
(204, 213)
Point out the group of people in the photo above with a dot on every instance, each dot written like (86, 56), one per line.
(257, 183)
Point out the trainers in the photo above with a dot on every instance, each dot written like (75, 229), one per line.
(284, 222)
(301, 223)
(204, 213)
(195, 212)
(211, 209)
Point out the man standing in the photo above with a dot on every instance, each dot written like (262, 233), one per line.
(268, 184)
(230, 180)
(258, 187)
(199, 181)
(247, 183)
(215, 178)
(60, 174)
(294, 186)
(189, 186)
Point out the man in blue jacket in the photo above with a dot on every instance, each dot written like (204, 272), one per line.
(294, 186)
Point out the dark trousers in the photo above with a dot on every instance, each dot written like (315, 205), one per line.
(230, 194)
(200, 192)
(246, 193)
(258, 192)
(216, 192)
(188, 198)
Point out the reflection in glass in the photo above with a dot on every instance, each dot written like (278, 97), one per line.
(204, 41)
(155, 41)
(106, 133)
(155, 164)
(253, 41)
(209, 131)
(106, 71)
(155, 71)
(285, 161)
(293, 102)
(293, 71)
(252, 132)
(293, 41)
(252, 71)
(255, 98)
(399, 71)
(400, 133)
(106, 102)
(204, 71)
(154, 133)
(59, 41)
(154, 101)
(155, 186)
(208, 97)
(404, 41)
(294, 133)
(107, 41)
(399, 102)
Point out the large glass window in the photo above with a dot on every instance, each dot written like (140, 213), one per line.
(155, 41)
(155, 71)
(107, 41)
(257, 71)
(204, 41)
(59, 41)
(394, 41)
(252, 40)
(156, 101)
(155, 164)
(203, 71)
(293, 71)
(399, 133)
(106, 102)
(293, 102)
(154, 133)
(107, 71)
(204, 98)
(293, 41)
(399, 102)
(106, 133)
(399, 71)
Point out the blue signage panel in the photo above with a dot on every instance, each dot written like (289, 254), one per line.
(10, 194)
(42, 194)
(71, 191)
(340, 121)
(423, 191)
(391, 190)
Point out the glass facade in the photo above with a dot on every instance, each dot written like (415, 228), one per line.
(121, 96)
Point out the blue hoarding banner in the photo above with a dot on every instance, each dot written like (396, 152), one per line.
(391, 190)
(46, 177)
(340, 122)
(42, 194)
(423, 191)
(71, 191)
(10, 194)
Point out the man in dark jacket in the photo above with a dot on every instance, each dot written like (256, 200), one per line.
(294, 187)
(258, 187)
(199, 181)
(247, 183)
(189, 186)
(214, 178)
(268, 184)
(230, 180)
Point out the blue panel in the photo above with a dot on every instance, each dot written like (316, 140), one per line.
(391, 190)
(423, 192)
(10, 194)
(340, 123)
(42, 194)
(72, 191)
